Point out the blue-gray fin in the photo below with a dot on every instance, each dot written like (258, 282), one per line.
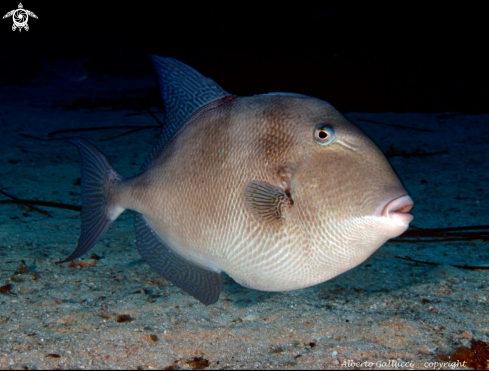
(184, 91)
(96, 176)
(204, 285)
(266, 202)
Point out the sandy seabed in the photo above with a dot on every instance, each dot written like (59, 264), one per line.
(114, 312)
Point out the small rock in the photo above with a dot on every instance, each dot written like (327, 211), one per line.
(249, 317)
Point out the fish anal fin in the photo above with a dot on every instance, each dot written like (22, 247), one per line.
(204, 285)
(267, 202)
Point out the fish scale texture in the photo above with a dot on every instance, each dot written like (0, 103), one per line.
(183, 91)
(193, 192)
(202, 284)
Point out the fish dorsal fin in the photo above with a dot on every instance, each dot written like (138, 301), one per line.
(204, 285)
(184, 91)
(266, 202)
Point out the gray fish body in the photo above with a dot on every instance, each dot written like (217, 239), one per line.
(279, 191)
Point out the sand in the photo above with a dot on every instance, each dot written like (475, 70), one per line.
(114, 312)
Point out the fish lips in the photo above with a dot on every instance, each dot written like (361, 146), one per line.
(398, 209)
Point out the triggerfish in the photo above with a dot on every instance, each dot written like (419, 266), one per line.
(279, 190)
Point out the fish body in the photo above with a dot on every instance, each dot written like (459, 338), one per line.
(280, 191)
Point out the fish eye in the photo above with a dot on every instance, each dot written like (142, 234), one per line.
(323, 134)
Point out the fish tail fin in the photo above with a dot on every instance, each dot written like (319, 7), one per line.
(99, 186)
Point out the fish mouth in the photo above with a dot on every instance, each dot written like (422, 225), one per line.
(398, 209)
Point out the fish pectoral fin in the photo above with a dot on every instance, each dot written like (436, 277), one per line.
(204, 285)
(266, 201)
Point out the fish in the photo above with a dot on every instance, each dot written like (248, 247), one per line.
(279, 191)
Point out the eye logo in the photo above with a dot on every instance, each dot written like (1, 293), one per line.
(20, 17)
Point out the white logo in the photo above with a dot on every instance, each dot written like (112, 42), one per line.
(20, 17)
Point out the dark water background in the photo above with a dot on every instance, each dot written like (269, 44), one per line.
(368, 58)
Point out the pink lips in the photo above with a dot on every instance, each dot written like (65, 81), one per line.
(398, 209)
